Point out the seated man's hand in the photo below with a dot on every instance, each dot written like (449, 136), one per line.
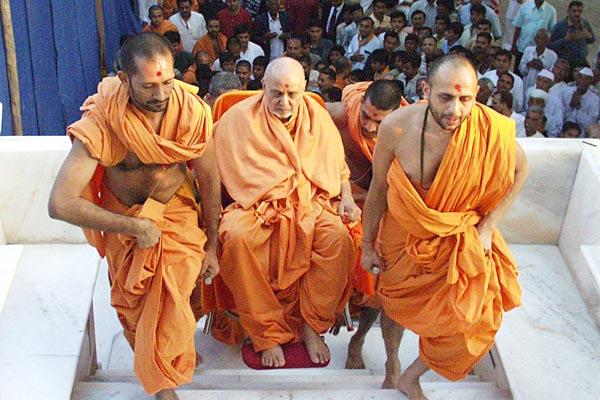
(485, 235)
(348, 209)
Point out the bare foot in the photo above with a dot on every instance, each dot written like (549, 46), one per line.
(273, 357)
(167, 394)
(199, 360)
(317, 350)
(411, 388)
(392, 374)
(355, 359)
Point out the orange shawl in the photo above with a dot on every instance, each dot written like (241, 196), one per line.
(165, 26)
(205, 43)
(256, 152)
(170, 7)
(439, 282)
(111, 126)
(352, 97)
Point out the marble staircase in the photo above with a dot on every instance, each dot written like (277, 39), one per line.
(223, 376)
(56, 319)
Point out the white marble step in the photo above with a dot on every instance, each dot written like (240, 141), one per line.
(289, 379)
(549, 346)
(132, 391)
(10, 255)
(43, 322)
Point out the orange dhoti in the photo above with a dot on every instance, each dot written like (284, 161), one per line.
(287, 256)
(151, 288)
(438, 281)
(272, 309)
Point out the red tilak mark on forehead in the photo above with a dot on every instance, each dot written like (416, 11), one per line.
(457, 87)
(158, 73)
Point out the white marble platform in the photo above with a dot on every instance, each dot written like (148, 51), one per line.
(28, 168)
(537, 215)
(43, 322)
(9, 260)
(591, 255)
(550, 346)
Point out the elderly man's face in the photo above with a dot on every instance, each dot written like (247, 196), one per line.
(283, 93)
(534, 122)
(294, 48)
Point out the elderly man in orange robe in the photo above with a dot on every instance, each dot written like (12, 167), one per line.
(287, 255)
(450, 168)
(158, 24)
(126, 182)
(364, 105)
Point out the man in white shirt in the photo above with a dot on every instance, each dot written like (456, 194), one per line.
(363, 44)
(465, 17)
(503, 102)
(250, 50)
(535, 122)
(536, 58)
(503, 59)
(509, 28)
(190, 24)
(352, 29)
(580, 104)
(428, 7)
(561, 71)
(410, 77)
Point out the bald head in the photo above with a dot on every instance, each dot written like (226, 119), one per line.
(452, 90)
(448, 67)
(284, 87)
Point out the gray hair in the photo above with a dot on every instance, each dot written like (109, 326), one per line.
(223, 82)
(543, 31)
(487, 82)
(537, 109)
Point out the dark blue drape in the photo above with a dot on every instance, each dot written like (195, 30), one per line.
(57, 47)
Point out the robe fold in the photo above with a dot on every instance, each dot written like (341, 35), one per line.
(150, 288)
(438, 281)
(287, 256)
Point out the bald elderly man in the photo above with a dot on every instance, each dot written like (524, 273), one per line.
(287, 254)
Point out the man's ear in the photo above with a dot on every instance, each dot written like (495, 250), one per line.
(122, 75)
(426, 89)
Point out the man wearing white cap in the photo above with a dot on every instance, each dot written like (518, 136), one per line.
(544, 81)
(579, 103)
(536, 58)
(537, 97)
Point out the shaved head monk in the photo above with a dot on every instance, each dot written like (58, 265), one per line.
(158, 23)
(126, 182)
(444, 173)
(287, 255)
(364, 105)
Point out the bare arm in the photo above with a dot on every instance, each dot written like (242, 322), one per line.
(209, 182)
(490, 221)
(376, 197)
(376, 203)
(67, 204)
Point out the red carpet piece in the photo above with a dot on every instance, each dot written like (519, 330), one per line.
(296, 356)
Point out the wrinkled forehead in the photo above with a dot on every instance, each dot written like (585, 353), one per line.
(285, 82)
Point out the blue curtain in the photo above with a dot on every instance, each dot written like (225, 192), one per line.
(57, 47)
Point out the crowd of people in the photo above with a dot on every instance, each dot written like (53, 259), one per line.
(532, 67)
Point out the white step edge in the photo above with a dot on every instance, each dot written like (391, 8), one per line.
(130, 391)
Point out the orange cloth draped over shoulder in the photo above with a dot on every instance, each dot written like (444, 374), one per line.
(151, 288)
(352, 97)
(169, 7)
(286, 255)
(205, 43)
(165, 26)
(438, 282)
